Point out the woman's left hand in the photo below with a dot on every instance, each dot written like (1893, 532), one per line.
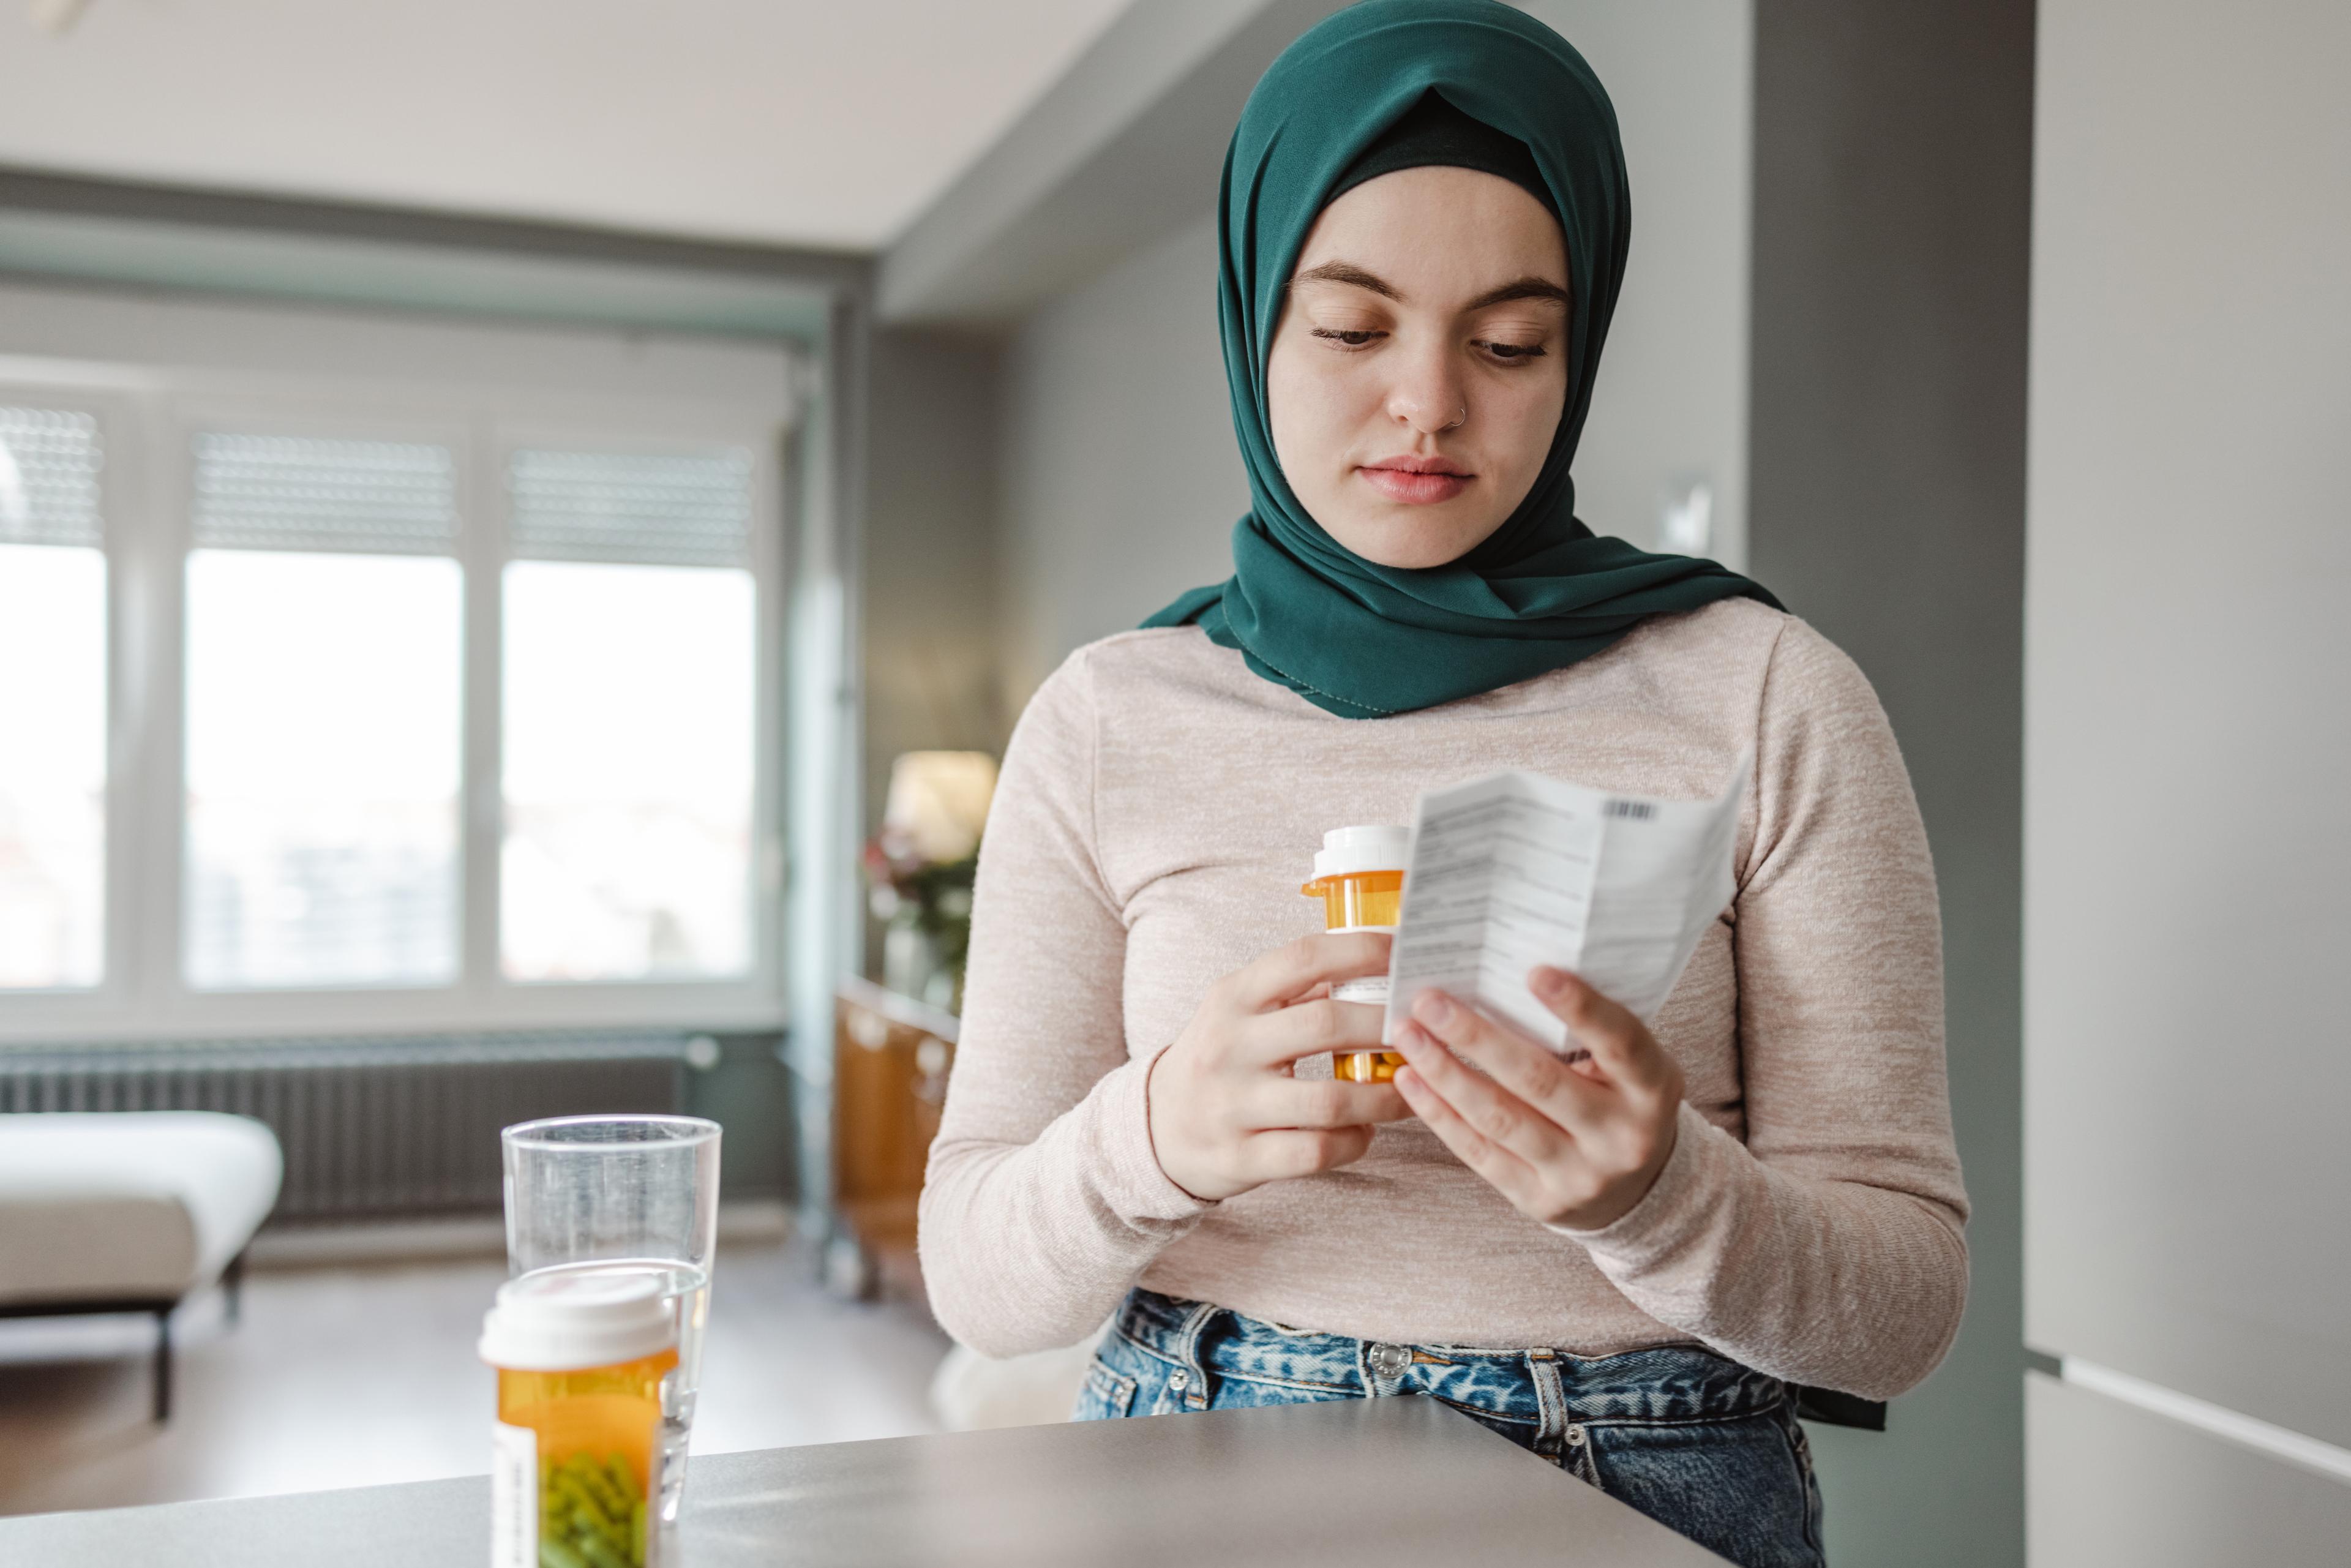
(1569, 1141)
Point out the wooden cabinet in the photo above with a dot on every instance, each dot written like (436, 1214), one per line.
(891, 1058)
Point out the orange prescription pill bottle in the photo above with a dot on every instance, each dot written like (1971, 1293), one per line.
(583, 1358)
(1359, 877)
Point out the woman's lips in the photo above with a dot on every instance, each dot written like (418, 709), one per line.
(1418, 480)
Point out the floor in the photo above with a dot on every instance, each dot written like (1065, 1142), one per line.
(359, 1374)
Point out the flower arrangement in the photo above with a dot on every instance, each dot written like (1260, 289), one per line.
(920, 868)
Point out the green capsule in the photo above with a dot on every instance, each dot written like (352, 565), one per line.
(555, 1554)
(596, 1482)
(602, 1554)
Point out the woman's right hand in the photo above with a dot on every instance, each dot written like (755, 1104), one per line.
(1226, 1114)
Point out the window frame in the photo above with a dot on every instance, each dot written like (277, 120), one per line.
(147, 422)
(119, 478)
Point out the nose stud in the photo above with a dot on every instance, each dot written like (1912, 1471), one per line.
(1460, 419)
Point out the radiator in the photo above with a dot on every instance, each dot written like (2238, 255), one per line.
(373, 1129)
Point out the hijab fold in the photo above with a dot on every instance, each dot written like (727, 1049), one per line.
(1353, 637)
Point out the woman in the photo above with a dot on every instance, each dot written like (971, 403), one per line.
(1622, 1265)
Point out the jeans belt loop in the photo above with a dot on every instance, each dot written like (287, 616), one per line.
(1187, 1349)
(1551, 1400)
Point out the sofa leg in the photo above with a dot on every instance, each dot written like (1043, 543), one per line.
(163, 1364)
(232, 1289)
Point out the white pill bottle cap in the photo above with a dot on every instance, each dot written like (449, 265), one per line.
(568, 1322)
(1348, 851)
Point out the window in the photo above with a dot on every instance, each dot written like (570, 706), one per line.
(52, 702)
(325, 641)
(629, 717)
(323, 714)
(424, 724)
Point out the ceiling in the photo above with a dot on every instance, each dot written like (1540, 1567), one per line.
(788, 121)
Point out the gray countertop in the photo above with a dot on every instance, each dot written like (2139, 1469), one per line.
(1354, 1483)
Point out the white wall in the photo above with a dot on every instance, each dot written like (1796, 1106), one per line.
(2188, 736)
(1121, 480)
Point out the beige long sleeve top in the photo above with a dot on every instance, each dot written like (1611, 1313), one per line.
(1159, 808)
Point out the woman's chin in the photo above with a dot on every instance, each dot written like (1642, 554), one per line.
(1421, 538)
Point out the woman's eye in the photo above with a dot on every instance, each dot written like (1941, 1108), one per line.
(1512, 352)
(1352, 339)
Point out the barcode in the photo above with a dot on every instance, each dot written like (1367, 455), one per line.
(1639, 811)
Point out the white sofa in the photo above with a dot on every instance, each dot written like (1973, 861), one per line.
(128, 1212)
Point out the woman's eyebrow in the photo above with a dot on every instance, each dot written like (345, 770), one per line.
(1347, 272)
(1528, 287)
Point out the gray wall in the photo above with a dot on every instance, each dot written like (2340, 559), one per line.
(929, 617)
(1672, 394)
(2190, 1222)
(749, 1093)
(1121, 481)
(1886, 492)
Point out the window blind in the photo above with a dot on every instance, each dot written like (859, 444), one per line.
(49, 478)
(651, 508)
(297, 493)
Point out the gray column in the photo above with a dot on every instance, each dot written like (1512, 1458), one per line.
(1892, 188)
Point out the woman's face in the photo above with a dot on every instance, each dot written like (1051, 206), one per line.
(1419, 369)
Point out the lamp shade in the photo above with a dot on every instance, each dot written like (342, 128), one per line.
(938, 801)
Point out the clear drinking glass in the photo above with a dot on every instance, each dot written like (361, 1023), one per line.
(625, 1194)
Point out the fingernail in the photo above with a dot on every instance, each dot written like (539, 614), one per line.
(1435, 1007)
(1550, 982)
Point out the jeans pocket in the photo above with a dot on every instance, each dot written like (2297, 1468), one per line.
(1734, 1486)
(1106, 1395)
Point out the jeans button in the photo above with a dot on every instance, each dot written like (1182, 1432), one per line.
(1388, 1361)
(1176, 1380)
(1575, 1437)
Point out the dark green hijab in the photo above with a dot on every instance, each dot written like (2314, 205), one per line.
(1361, 640)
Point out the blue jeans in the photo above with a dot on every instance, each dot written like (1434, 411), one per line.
(1699, 1444)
